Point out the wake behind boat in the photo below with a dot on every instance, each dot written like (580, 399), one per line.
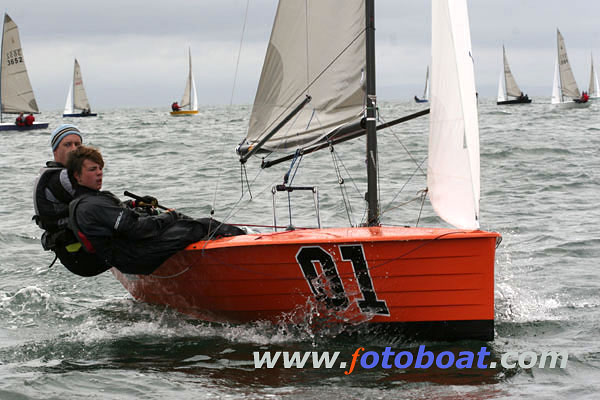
(565, 92)
(16, 93)
(436, 282)
(508, 90)
(189, 98)
(77, 98)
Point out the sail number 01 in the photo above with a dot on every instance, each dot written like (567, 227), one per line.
(336, 297)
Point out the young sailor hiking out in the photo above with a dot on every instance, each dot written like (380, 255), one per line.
(133, 239)
(53, 190)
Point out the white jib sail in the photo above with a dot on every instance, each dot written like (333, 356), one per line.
(501, 89)
(17, 94)
(568, 84)
(190, 98)
(556, 92)
(69, 103)
(80, 100)
(453, 162)
(317, 48)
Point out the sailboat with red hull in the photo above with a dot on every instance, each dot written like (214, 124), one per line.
(436, 282)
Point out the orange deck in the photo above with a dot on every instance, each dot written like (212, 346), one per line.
(375, 275)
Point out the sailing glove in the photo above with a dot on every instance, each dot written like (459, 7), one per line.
(146, 201)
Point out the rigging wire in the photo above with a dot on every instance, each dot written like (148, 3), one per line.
(221, 165)
(342, 186)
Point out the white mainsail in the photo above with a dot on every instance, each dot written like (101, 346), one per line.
(190, 98)
(426, 90)
(593, 89)
(453, 163)
(16, 91)
(76, 98)
(512, 89)
(567, 83)
(311, 54)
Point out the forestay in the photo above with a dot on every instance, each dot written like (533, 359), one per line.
(17, 94)
(568, 84)
(317, 48)
(453, 161)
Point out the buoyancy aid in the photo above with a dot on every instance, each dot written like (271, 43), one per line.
(53, 191)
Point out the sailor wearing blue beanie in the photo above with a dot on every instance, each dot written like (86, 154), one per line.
(61, 132)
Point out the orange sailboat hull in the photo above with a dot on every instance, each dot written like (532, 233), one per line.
(430, 278)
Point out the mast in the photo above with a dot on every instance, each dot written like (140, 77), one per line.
(372, 190)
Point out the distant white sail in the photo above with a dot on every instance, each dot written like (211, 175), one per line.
(16, 91)
(77, 97)
(512, 89)
(453, 176)
(80, 100)
(307, 56)
(568, 85)
(426, 90)
(190, 98)
(69, 103)
(501, 88)
(593, 89)
(556, 92)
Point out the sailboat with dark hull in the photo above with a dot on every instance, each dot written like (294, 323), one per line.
(16, 93)
(434, 282)
(508, 90)
(77, 104)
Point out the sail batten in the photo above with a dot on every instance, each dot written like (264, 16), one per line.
(16, 92)
(331, 72)
(453, 162)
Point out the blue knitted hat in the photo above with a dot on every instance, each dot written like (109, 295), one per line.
(59, 134)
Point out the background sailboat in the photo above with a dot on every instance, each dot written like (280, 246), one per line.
(565, 92)
(437, 281)
(594, 88)
(189, 98)
(16, 93)
(425, 97)
(77, 98)
(507, 86)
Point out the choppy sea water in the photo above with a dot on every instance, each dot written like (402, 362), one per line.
(66, 337)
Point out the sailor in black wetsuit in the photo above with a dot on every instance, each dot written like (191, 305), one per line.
(53, 190)
(123, 235)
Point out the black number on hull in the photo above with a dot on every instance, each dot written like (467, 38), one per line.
(370, 302)
(306, 257)
(336, 298)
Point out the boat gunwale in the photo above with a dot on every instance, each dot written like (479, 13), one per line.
(316, 236)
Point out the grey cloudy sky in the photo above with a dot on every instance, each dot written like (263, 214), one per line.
(133, 53)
